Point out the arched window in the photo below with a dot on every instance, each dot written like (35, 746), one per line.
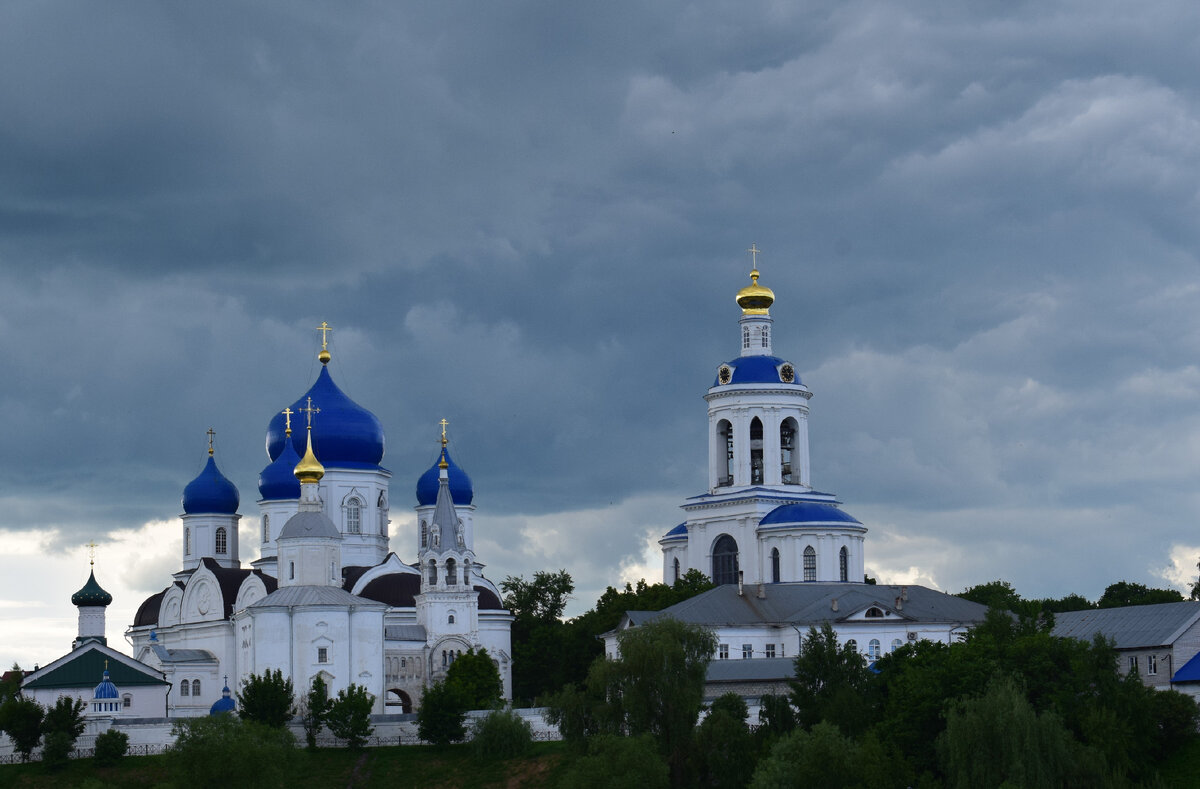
(774, 565)
(451, 572)
(810, 564)
(266, 528)
(896, 643)
(222, 540)
(185, 688)
(745, 336)
(354, 516)
(874, 613)
(725, 560)
(676, 569)
(195, 687)
(873, 650)
(424, 534)
(383, 514)
(432, 572)
(187, 541)
(466, 571)
(332, 572)
(787, 447)
(291, 571)
(756, 451)
(852, 646)
(844, 563)
(725, 435)
(450, 619)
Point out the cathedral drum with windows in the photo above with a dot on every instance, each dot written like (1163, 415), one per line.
(760, 520)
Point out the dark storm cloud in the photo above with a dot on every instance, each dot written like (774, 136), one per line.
(529, 218)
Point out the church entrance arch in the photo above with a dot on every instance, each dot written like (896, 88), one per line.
(398, 698)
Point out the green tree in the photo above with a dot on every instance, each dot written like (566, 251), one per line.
(501, 734)
(227, 751)
(349, 716)
(477, 679)
(616, 762)
(540, 639)
(21, 719)
(724, 745)
(1124, 593)
(268, 699)
(10, 683)
(61, 727)
(830, 683)
(1195, 595)
(111, 747)
(314, 709)
(775, 715)
(441, 715)
(822, 758)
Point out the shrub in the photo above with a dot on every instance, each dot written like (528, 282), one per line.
(268, 699)
(111, 747)
(56, 749)
(615, 762)
(314, 710)
(61, 726)
(477, 678)
(226, 751)
(349, 716)
(501, 734)
(440, 718)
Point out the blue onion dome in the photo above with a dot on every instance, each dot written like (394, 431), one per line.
(756, 370)
(210, 493)
(344, 434)
(91, 593)
(460, 484)
(808, 512)
(106, 689)
(278, 480)
(223, 704)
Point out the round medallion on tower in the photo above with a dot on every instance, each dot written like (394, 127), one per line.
(210, 493)
(724, 374)
(755, 299)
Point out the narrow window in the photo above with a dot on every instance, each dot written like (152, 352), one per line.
(844, 563)
(1133, 664)
(677, 570)
(451, 572)
(466, 571)
(747, 651)
(745, 336)
(432, 572)
(774, 565)
(424, 535)
(723, 652)
(266, 528)
(185, 688)
(787, 447)
(450, 619)
(332, 572)
(444, 659)
(852, 646)
(724, 560)
(725, 433)
(896, 643)
(291, 571)
(322, 654)
(810, 564)
(1151, 664)
(127, 701)
(354, 516)
(195, 687)
(770, 650)
(766, 337)
(187, 541)
(222, 540)
(873, 650)
(383, 515)
(756, 451)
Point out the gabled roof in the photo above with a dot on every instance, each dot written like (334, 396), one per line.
(806, 604)
(314, 595)
(83, 668)
(1130, 627)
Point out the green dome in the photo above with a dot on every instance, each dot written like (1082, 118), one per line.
(91, 593)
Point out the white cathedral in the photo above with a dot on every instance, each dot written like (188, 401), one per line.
(326, 597)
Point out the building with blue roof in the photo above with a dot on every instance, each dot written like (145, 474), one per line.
(761, 521)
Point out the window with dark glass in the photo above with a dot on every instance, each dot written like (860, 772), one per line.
(725, 560)
(774, 565)
(451, 572)
(432, 572)
(222, 540)
(756, 451)
(725, 432)
(354, 516)
(787, 446)
(810, 564)
(844, 563)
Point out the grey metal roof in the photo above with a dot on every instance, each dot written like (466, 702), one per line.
(805, 604)
(183, 655)
(309, 524)
(755, 670)
(1131, 626)
(404, 633)
(314, 595)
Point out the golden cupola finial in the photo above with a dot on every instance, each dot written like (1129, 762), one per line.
(755, 299)
(324, 356)
(442, 463)
(309, 469)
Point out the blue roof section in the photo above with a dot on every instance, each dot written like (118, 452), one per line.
(106, 689)
(210, 493)
(756, 370)
(223, 704)
(678, 531)
(460, 484)
(1189, 671)
(807, 512)
(345, 435)
(278, 480)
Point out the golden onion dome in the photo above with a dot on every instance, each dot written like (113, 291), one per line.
(754, 299)
(309, 469)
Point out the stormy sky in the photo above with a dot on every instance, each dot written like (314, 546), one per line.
(530, 218)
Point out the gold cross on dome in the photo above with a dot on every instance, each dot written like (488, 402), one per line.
(287, 415)
(754, 250)
(91, 546)
(309, 411)
(324, 328)
(211, 433)
(443, 423)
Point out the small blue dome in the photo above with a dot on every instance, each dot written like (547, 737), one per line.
(460, 484)
(223, 704)
(807, 512)
(344, 434)
(210, 493)
(678, 531)
(757, 370)
(106, 689)
(278, 480)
